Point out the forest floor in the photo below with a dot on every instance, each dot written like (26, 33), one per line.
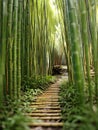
(47, 112)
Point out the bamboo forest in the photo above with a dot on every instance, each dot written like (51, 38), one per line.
(48, 65)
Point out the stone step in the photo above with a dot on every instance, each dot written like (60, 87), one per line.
(47, 107)
(48, 111)
(48, 97)
(45, 100)
(45, 103)
(43, 114)
(56, 89)
(52, 91)
(49, 118)
(49, 124)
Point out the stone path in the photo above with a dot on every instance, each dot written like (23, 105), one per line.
(47, 114)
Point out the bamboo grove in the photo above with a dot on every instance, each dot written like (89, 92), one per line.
(28, 32)
(26, 40)
(80, 26)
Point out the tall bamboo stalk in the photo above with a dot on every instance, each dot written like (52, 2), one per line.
(23, 64)
(75, 48)
(94, 46)
(85, 41)
(91, 9)
(27, 42)
(67, 39)
(15, 25)
(19, 47)
(1, 51)
(3, 26)
(9, 46)
(0, 21)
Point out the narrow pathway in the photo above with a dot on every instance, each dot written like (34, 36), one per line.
(47, 114)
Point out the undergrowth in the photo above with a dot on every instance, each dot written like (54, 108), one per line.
(36, 82)
(12, 113)
(76, 117)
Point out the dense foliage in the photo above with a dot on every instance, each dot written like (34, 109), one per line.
(36, 82)
(12, 113)
(74, 116)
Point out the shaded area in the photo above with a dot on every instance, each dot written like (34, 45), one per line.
(59, 70)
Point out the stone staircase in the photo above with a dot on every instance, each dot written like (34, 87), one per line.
(47, 113)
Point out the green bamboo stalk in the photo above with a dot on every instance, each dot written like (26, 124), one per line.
(31, 44)
(15, 25)
(1, 52)
(23, 55)
(9, 46)
(75, 48)
(94, 44)
(4, 33)
(85, 41)
(35, 40)
(3, 24)
(91, 8)
(67, 39)
(94, 47)
(27, 43)
(0, 21)
(19, 48)
(96, 89)
(38, 42)
(44, 37)
(33, 36)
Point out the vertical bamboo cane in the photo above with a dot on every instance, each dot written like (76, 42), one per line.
(15, 25)
(9, 46)
(85, 41)
(19, 47)
(76, 49)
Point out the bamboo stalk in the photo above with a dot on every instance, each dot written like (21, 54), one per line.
(93, 33)
(75, 45)
(9, 46)
(1, 46)
(19, 48)
(23, 64)
(85, 42)
(15, 27)
(27, 43)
